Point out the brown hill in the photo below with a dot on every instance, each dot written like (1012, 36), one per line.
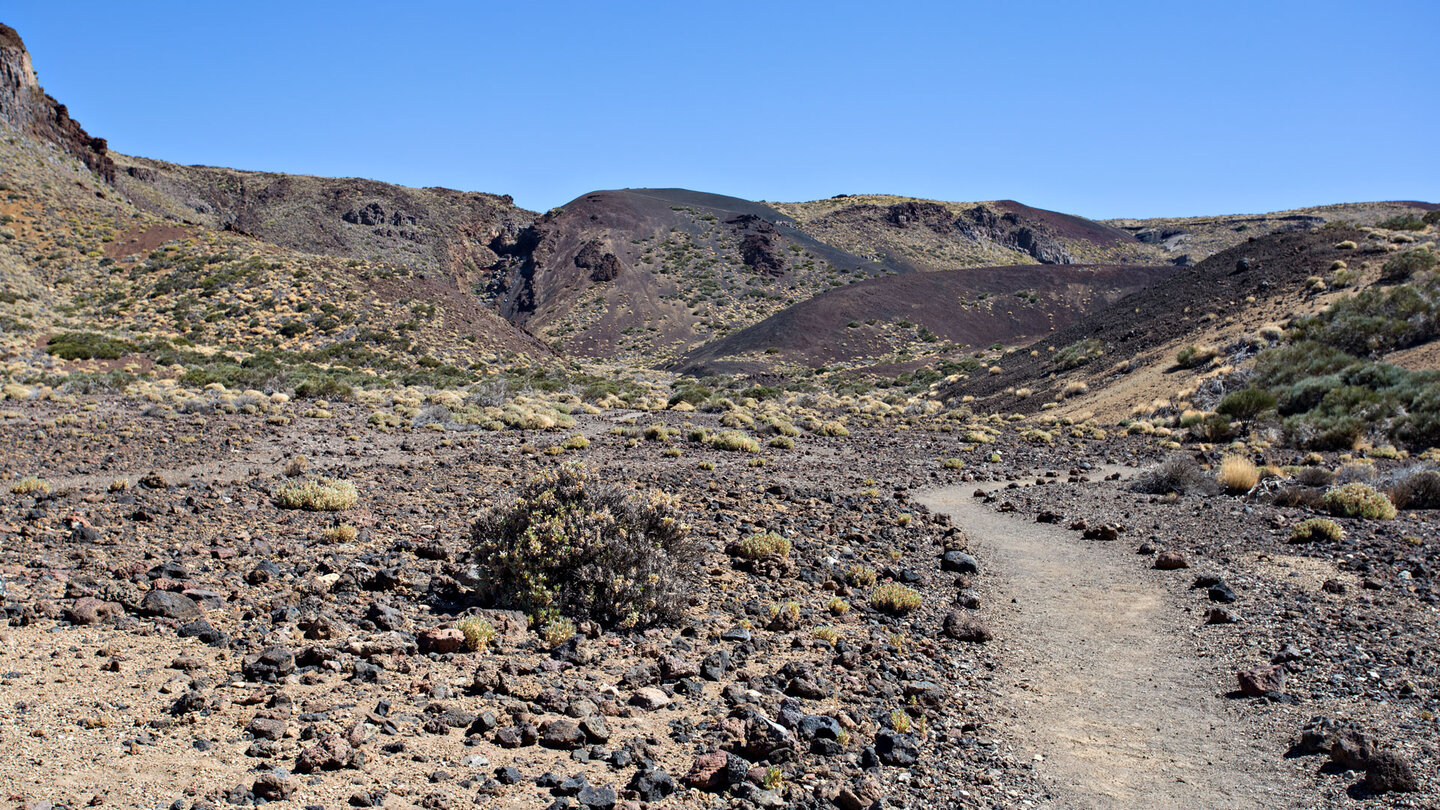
(926, 235)
(648, 273)
(91, 280)
(1222, 303)
(433, 230)
(968, 308)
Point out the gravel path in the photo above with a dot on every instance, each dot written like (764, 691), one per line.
(1109, 698)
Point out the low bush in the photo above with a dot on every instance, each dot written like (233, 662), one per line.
(30, 485)
(317, 495)
(1193, 356)
(1314, 477)
(1403, 222)
(478, 632)
(1315, 529)
(1416, 490)
(324, 387)
(892, 597)
(735, 441)
(556, 632)
(1212, 429)
(344, 533)
(1403, 266)
(1246, 404)
(1238, 474)
(1359, 501)
(1303, 497)
(1179, 474)
(565, 544)
(87, 346)
(860, 577)
(763, 544)
(1079, 353)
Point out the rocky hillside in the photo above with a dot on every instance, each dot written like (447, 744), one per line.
(951, 311)
(1228, 308)
(921, 235)
(29, 109)
(233, 277)
(436, 231)
(646, 274)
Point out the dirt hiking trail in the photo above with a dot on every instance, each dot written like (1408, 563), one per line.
(1115, 707)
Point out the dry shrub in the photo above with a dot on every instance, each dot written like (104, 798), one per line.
(563, 543)
(30, 485)
(892, 597)
(1416, 490)
(317, 495)
(1178, 473)
(1238, 474)
(1304, 497)
(1315, 477)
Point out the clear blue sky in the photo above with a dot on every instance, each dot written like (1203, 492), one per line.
(1101, 109)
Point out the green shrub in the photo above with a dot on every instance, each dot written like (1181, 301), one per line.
(696, 395)
(88, 346)
(1403, 266)
(478, 633)
(892, 597)
(1246, 404)
(1213, 428)
(860, 576)
(1315, 529)
(324, 387)
(762, 544)
(565, 544)
(317, 495)
(30, 485)
(734, 441)
(1193, 356)
(1079, 353)
(1358, 500)
(1403, 222)
(556, 632)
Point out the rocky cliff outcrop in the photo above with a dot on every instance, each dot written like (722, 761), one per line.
(760, 245)
(602, 264)
(1008, 229)
(28, 108)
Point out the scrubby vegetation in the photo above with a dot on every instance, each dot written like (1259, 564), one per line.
(30, 485)
(1358, 500)
(1079, 353)
(1315, 529)
(1238, 474)
(87, 346)
(1418, 489)
(565, 544)
(1181, 475)
(763, 544)
(317, 495)
(892, 597)
(1330, 388)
